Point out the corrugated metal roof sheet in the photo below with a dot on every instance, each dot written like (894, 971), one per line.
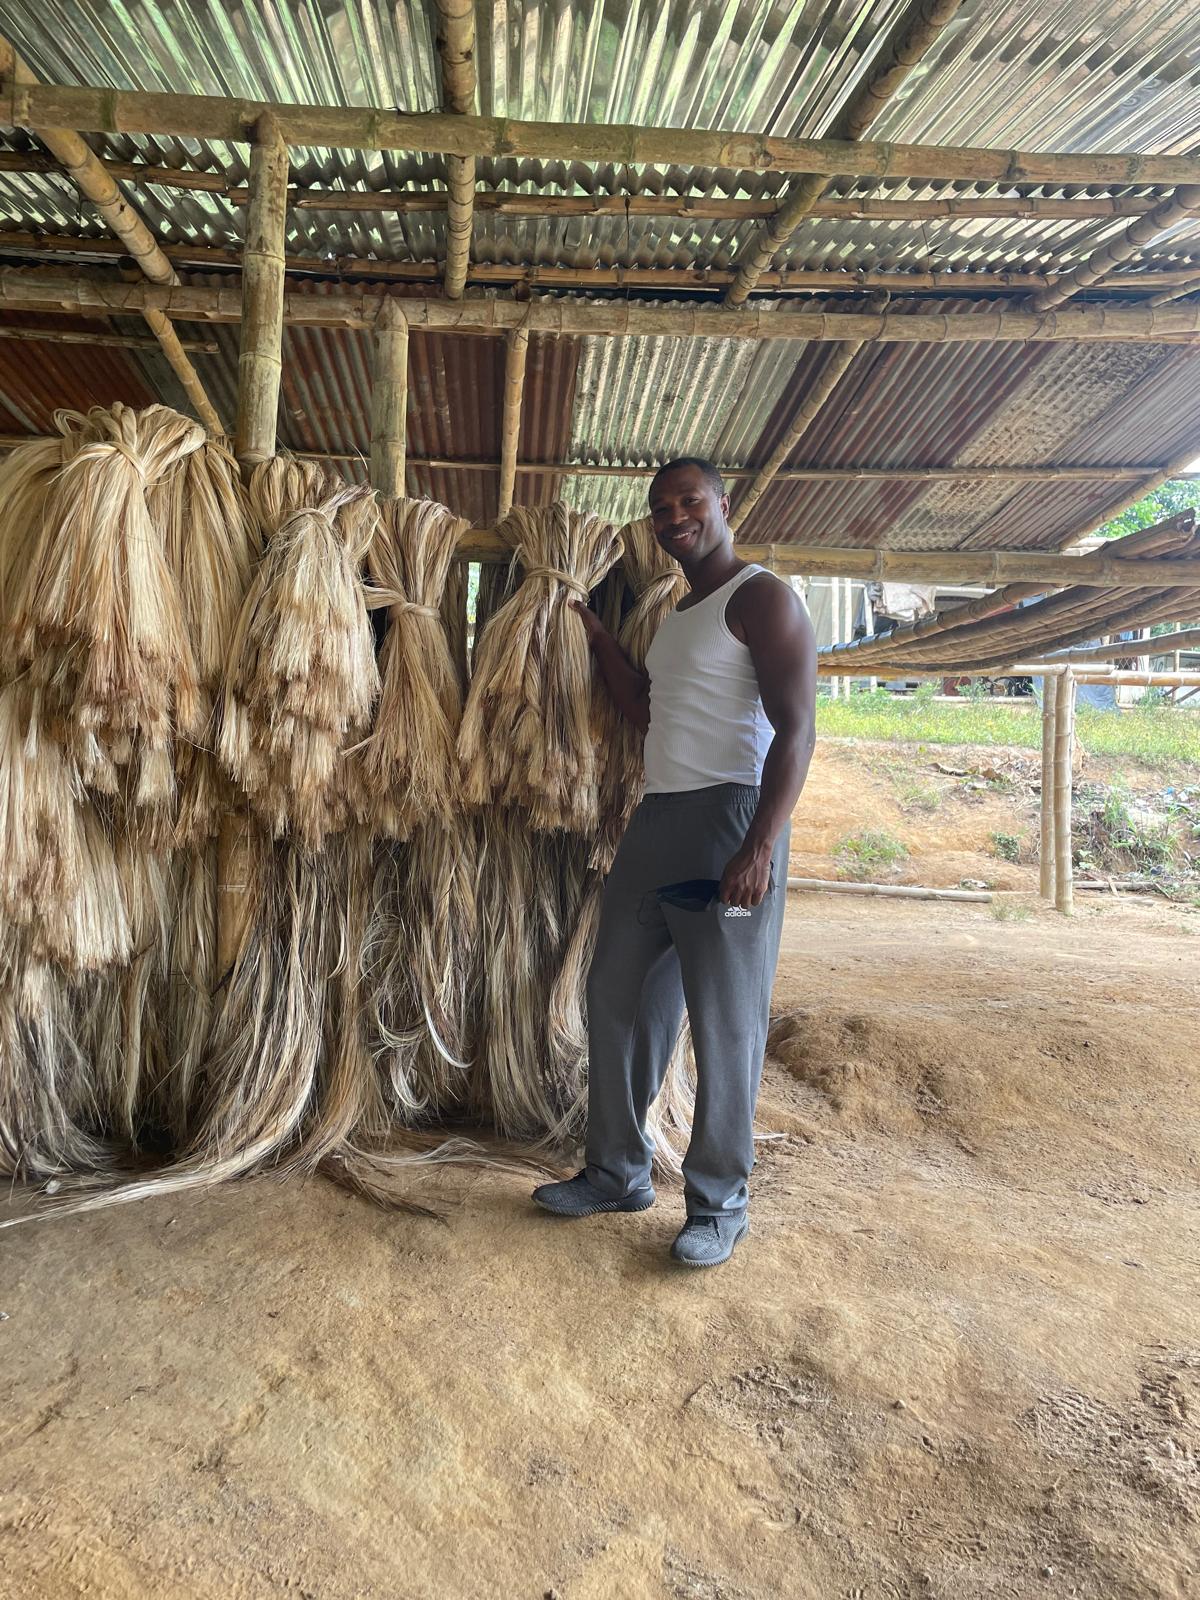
(1077, 74)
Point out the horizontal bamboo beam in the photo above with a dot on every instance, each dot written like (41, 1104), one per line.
(118, 112)
(115, 341)
(787, 280)
(29, 289)
(515, 203)
(1057, 669)
(1169, 213)
(935, 566)
(587, 469)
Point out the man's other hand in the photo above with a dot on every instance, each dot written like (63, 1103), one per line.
(744, 881)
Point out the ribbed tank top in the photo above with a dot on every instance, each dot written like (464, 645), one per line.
(707, 724)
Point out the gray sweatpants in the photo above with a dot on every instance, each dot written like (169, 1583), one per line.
(653, 958)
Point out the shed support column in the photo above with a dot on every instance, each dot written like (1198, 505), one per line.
(514, 392)
(1064, 736)
(389, 403)
(1046, 852)
(456, 47)
(260, 361)
(260, 365)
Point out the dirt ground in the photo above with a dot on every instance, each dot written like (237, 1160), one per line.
(959, 1355)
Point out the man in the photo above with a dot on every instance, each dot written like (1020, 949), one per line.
(693, 907)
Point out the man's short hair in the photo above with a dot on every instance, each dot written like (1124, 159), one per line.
(713, 477)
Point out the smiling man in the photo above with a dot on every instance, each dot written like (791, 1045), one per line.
(693, 906)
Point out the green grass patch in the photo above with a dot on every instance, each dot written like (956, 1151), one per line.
(1161, 737)
(1007, 846)
(861, 854)
(1009, 911)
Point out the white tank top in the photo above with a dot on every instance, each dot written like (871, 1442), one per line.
(707, 724)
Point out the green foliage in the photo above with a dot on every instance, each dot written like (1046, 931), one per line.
(868, 851)
(1113, 836)
(1007, 846)
(1157, 506)
(1163, 737)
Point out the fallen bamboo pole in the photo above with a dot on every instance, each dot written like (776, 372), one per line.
(1046, 809)
(898, 891)
(514, 202)
(260, 360)
(96, 186)
(124, 112)
(916, 31)
(1168, 214)
(1064, 736)
(514, 391)
(389, 402)
(28, 289)
(456, 48)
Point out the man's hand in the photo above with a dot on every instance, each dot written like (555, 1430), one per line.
(595, 628)
(745, 879)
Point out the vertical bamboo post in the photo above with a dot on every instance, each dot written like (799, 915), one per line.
(456, 47)
(1064, 733)
(260, 366)
(848, 621)
(260, 360)
(1049, 700)
(514, 392)
(389, 402)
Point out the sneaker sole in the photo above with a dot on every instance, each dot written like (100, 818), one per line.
(599, 1208)
(719, 1261)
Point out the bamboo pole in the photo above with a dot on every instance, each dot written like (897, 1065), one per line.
(1130, 497)
(918, 28)
(1117, 677)
(1164, 644)
(105, 341)
(513, 202)
(1064, 736)
(514, 391)
(29, 289)
(836, 365)
(1046, 847)
(389, 402)
(225, 118)
(260, 364)
(1174, 291)
(588, 469)
(897, 891)
(97, 186)
(1168, 214)
(260, 360)
(789, 280)
(456, 47)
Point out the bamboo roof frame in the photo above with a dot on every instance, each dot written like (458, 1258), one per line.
(456, 50)
(82, 294)
(516, 203)
(1167, 281)
(79, 163)
(917, 30)
(119, 111)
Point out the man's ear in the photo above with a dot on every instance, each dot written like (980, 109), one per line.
(725, 505)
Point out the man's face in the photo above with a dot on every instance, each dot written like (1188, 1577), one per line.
(688, 514)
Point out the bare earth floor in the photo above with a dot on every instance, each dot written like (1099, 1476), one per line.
(960, 1355)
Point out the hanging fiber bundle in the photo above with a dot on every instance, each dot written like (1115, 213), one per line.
(655, 584)
(409, 763)
(301, 677)
(527, 735)
(93, 614)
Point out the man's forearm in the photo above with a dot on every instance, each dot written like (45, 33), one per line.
(629, 688)
(783, 775)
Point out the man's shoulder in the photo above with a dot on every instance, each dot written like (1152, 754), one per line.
(766, 598)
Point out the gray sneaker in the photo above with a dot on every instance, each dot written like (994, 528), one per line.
(579, 1198)
(708, 1241)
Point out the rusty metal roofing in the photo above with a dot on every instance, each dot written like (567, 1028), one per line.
(1072, 74)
